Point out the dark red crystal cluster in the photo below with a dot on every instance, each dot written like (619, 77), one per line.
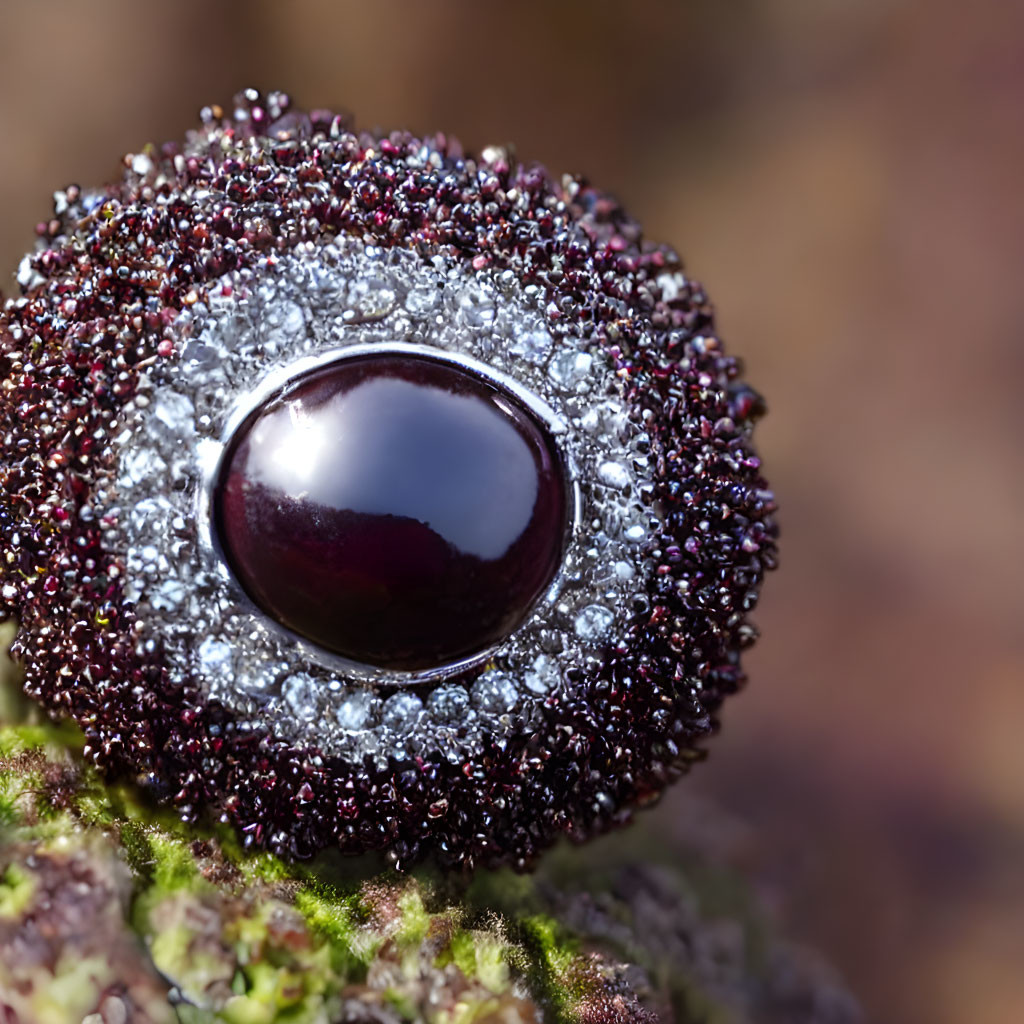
(96, 316)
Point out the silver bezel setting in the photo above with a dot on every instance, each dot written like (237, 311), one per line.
(215, 560)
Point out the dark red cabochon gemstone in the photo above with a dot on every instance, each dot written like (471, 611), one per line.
(394, 509)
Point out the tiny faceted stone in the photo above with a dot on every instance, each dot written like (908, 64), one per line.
(594, 621)
(394, 509)
(354, 712)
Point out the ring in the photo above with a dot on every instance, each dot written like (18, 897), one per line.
(364, 493)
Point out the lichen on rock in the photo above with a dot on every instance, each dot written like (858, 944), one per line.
(114, 911)
(110, 908)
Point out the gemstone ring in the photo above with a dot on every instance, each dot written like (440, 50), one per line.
(361, 492)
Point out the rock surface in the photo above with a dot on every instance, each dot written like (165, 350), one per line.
(112, 912)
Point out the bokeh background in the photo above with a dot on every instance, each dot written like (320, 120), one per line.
(845, 176)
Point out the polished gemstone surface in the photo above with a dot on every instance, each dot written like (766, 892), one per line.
(395, 509)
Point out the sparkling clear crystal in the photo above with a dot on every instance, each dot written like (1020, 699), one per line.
(533, 346)
(543, 676)
(569, 368)
(495, 693)
(613, 474)
(373, 298)
(175, 412)
(355, 711)
(402, 711)
(422, 300)
(449, 703)
(300, 692)
(215, 657)
(594, 622)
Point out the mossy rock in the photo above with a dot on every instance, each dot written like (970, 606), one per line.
(111, 910)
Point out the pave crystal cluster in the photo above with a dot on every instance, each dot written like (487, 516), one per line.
(366, 493)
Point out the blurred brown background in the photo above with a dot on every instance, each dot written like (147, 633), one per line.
(846, 178)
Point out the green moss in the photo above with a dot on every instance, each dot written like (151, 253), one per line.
(71, 994)
(174, 867)
(138, 851)
(287, 992)
(257, 867)
(245, 1010)
(414, 922)
(481, 955)
(402, 1004)
(340, 921)
(205, 908)
(170, 949)
(549, 958)
(8, 809)
(461, 953)
(13, 787)
(294, 979)
(17, 889)
(556, 950)
(17, 739)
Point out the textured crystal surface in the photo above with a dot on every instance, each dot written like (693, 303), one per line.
(306, 310)
(395, 509)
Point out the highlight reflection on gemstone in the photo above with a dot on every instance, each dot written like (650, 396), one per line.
(394, 509)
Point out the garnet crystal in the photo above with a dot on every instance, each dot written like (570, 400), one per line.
(395, 509)
(149, 310)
